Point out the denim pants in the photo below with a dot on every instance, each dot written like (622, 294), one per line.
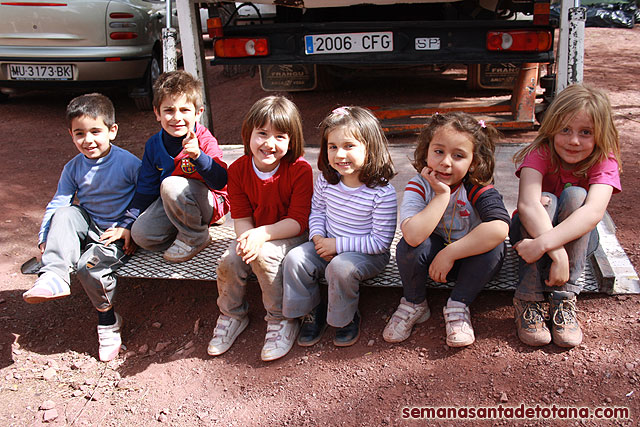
(233, 272)
(471, 274)
(303, 268)
(531, 277)
(74, 241)
(182, 211)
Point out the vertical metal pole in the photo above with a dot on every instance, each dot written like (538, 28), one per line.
(169, 38)
(570, 53)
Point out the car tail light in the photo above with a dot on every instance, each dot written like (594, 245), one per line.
(241, 47)
(214, 27)
(123, 35)
(120, 15)
(519, 41)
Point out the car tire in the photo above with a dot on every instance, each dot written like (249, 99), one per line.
(143, 97)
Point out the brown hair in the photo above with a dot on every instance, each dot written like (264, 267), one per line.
(283, 116)
(94, 105)
(573, 99)
(483, 136)
(176, 83)
(364, 126)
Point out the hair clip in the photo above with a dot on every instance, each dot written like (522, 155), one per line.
(482, 124)
(341, 111)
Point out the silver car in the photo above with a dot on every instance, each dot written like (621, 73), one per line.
(65, 43)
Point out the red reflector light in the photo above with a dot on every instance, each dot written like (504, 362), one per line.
(113, 59)
(123, 36)
(519, 41)
(120, 15)
(214, 27)
(20, 3)
(239, 48)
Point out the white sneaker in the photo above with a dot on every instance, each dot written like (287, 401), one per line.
(281, 334)
(458, 324)
(406, 315)
(225, 333)
(109, 340)
(179, 251)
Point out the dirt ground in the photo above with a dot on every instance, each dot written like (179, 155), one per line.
(48, 367)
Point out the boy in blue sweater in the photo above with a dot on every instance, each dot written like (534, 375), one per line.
(182, 186)
(90, 235)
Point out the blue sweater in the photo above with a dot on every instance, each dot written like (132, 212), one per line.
(103, 187)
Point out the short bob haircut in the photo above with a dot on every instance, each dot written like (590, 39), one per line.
(283, 115)
(573, 99)
(364, 126)
(94, 105)
(177, 83)
(483, 136)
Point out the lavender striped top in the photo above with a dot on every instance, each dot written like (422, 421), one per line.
(361, 219)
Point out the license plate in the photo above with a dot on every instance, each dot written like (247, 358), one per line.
(348, 43)
(427, 43)
(40, 72)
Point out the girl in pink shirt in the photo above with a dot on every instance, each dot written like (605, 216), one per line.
(567, 176)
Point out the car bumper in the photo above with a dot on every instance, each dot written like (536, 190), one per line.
(87, 63)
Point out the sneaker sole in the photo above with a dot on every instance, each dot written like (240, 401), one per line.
(37, 299)
(314, 341)
(243, 326)
(195, 252)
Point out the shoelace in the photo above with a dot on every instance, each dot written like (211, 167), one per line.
(566, 313)
(533, 313)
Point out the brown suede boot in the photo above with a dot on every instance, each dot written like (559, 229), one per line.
(531, 322)
(565, 328)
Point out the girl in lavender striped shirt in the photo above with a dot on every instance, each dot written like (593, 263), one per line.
(351, 227)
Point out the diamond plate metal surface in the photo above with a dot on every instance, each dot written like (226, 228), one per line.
(147, 264)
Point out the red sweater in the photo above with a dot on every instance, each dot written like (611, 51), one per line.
(287, 194)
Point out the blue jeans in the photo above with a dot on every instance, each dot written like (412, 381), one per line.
(471, 274)
(303, 267)
(531, 277)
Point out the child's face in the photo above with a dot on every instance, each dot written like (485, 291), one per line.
(177, 116)
(575, 142)
(450, 154)
(346, 155)
(92, 137)
(268, 146)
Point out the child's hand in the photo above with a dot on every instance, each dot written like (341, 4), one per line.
(249, 244)
(440, 267)
(42, 246)
(529, 250)
(114, 234)
(559, 270)
(190, 145)
(438, 186)
(325, 247)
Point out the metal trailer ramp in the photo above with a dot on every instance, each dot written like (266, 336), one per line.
(599, 274)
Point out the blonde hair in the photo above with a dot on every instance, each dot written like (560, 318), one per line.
(283, 116)
(568, 103)
(364, 126)
(483, 136)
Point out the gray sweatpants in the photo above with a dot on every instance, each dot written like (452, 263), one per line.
(303, 267)
(182, 211)
(74, 241)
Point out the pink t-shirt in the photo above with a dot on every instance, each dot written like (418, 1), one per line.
(555, 181)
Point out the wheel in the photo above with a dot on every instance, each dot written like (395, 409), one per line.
(143, 96)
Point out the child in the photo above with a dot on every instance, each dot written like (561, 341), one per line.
(567, 176)
(453, 224)
(351, 227)
(270, 189)
(182, 184)
(102, 178)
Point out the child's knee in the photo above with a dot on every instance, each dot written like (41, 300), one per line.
(340, 268)
(572, 197)
(172, 187)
